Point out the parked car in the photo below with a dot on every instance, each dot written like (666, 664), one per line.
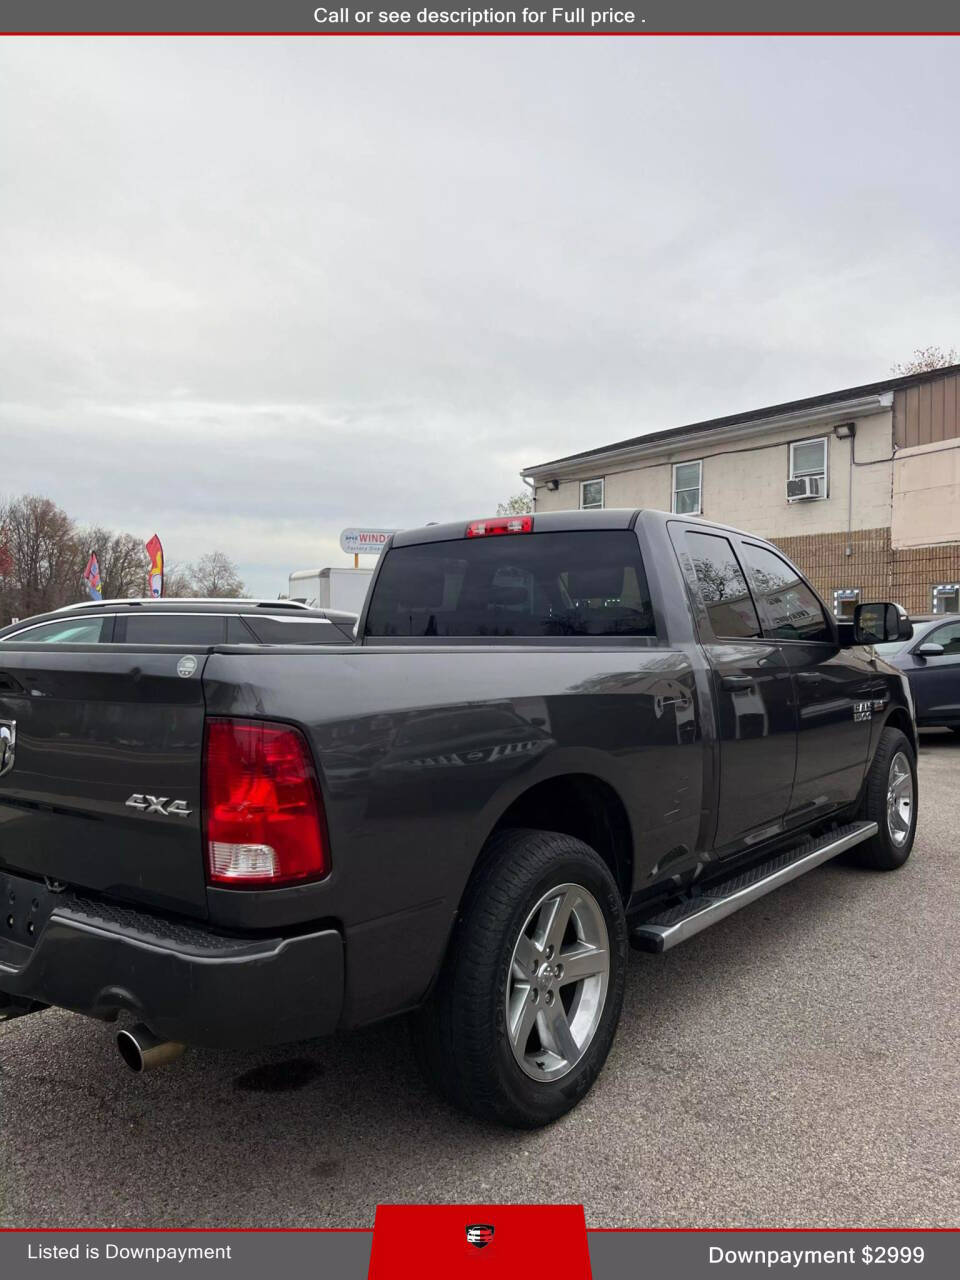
(185, 622)
(931, 662)
(653, 720)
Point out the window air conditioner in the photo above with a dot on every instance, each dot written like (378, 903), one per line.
(804, 487)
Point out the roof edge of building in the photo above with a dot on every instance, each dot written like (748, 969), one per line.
(767, 416)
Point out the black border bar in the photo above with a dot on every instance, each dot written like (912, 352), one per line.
(468, 17)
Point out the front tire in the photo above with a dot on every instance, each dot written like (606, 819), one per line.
(890, 800)
(527, 1005)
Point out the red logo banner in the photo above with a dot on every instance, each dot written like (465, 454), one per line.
(479, 1242)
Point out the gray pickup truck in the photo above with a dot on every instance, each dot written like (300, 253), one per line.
(554, 736)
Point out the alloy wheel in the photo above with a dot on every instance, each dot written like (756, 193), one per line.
(899, 799)
(557, 983)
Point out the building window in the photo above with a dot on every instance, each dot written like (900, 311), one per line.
(845, 600)
(946, 597)
(688, 488)
(808, 469)
(591, 494)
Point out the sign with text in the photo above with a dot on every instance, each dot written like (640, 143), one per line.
(364, 542)
(656, 17)
(481, 1242)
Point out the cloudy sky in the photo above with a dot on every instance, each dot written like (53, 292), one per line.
(254, 291)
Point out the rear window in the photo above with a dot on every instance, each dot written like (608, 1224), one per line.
(271, 629)
(186, 630)
(542, 585)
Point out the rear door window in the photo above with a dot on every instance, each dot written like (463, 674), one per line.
(723, 588)
(185, 630)
(545, 585)
(790, 608)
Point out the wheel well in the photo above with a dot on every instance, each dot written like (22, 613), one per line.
(583, 806)
(900, 719)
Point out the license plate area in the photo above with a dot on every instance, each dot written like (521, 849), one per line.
(25, 908)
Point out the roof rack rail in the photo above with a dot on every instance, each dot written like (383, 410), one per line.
(96, 604)
(136, 601)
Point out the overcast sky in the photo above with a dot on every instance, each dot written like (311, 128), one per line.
(254, 291)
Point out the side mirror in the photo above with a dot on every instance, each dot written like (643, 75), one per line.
(880, 623)
(929, 650)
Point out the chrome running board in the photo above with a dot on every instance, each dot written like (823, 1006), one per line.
(716, 902)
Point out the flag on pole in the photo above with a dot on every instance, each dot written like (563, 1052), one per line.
(155, 552)
(91, 576)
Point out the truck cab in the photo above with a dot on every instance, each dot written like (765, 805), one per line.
(551, 738)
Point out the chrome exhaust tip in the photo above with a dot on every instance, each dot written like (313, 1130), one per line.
(142, 1051)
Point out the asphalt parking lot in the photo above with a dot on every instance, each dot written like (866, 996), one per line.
(796, 1065)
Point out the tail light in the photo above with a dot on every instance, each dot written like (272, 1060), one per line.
(263, 816)
(502, 524)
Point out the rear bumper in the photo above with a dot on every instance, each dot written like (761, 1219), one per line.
(184, 981)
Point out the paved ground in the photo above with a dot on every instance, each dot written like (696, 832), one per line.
(798, 1064)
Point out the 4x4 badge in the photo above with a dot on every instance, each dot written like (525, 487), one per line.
(159, 804)
(8, 745)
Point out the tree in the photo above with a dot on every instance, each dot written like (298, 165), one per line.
(716, 580)
(39, 570)
(43, 555)
(178, 582)
(214, 575)
(925, 360)
(122, 559)
(520, 504)
(6, 555)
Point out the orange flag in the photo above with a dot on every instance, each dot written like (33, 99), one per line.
(155, 552)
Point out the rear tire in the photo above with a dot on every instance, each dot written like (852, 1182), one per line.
(511, 1033)
(890, 800)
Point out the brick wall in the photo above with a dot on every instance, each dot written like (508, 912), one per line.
(916, 569)
(882, 573)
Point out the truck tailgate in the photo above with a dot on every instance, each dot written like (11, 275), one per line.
(100, 786)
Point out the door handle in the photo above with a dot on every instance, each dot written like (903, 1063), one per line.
(809, 677)
(736, 682)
